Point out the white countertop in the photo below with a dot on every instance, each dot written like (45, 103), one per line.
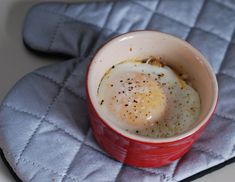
(16, 61)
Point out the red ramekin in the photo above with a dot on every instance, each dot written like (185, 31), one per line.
(138, 150)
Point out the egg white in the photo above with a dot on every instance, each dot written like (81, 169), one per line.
(178, 108)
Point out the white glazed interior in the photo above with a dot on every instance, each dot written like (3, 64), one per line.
(177, 53)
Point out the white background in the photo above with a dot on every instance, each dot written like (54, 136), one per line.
(16, 61)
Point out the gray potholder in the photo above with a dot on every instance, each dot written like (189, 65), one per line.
(44, 128)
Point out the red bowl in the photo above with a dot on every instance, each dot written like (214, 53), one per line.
(138, 150)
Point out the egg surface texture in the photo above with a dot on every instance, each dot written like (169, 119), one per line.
(148, 98)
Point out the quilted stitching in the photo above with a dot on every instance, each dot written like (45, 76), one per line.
(220, 23)
(82, 12)
(152, 5)
(212, 35)
(51, 123)
(138, 22)
(228, 65)
(55, 33)
(41, 120)
(165, 24)
(197, 38)
(62, 129)
(228, 3)
(57, 176)
(70, 164)
(225, 95)
(34, 115)
(188, 13)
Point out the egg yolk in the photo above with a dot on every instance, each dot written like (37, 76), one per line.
(137, 100)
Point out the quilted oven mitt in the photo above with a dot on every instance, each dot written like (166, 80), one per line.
(44, 128)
